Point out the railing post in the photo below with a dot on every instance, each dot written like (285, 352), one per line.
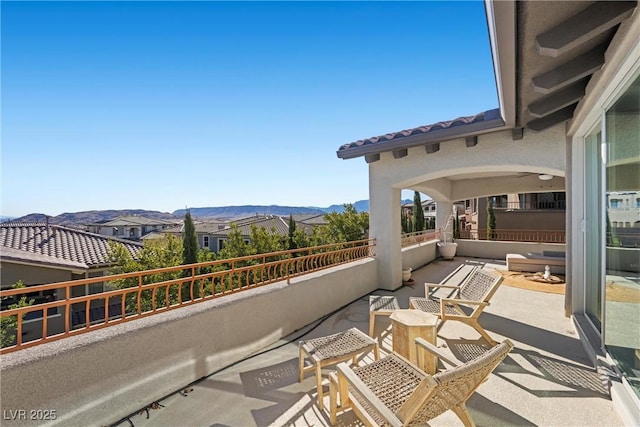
(139, 302)
(67, 317)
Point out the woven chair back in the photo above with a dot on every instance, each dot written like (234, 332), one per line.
(455, 385)
(478, 285)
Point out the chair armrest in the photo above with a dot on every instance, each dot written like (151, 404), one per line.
(346, 374)
(428, 285)
(456, 301)
(426, 345)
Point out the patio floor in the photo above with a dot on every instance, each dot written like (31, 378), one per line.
(547, 379)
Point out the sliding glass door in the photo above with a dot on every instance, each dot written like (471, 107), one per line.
(622, 237)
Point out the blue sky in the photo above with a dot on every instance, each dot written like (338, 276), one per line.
(161, 106)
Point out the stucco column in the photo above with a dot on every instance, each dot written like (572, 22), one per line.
(444, 208)
(384, 226)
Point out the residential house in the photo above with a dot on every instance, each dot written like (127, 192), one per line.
(515, 212)
(568, 81)
(40, 253)
(428, 207)
(132, 227)
(213, 235)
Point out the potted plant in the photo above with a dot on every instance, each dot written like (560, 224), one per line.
(406, 274)
(447, 246)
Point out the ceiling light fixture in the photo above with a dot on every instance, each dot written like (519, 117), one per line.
(545, 177)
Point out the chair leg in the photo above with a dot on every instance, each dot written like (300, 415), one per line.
(319, 386)
(301, 364)
(482, 332)
(333, 398)
(372, 323)
(464, 415)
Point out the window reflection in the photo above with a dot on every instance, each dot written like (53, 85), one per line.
(622, 279)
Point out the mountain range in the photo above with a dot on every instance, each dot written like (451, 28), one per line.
(221, 213)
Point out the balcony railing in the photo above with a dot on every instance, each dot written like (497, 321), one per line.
(531, 206)
(537, 236)
(145, 293)
(414, 238)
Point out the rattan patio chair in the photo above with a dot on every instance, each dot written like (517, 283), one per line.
(475, 293)
(392, 391)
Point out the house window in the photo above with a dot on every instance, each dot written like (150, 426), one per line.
(205, 241)
(616, 203)
(220, 244)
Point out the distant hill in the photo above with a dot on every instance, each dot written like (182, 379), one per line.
(233, 212)
(360, 205)
(221, 213)
(88, 217)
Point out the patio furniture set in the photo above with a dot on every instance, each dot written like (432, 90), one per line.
(404, 387)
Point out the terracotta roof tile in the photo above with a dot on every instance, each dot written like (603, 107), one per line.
(61, 242)
(449, 129)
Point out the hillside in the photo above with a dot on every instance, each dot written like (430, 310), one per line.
(220, 213)
(231, 212)
(89, 217)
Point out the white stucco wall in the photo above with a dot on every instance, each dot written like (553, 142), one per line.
(498, 249)
(99, 377)
(416, 256)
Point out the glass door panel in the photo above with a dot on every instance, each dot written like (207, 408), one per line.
(622, 257)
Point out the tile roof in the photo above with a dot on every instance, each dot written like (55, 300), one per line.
(268, 222)
(436, 132)
(128, 220)
(310, 219)
(280, 223)
(68, 245)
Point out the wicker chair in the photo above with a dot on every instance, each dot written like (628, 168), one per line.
(475, 292)
(392, 391)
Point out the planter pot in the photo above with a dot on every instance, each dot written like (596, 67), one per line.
(447, 250)
(406, 275)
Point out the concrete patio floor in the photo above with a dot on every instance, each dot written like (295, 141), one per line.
(547, 379)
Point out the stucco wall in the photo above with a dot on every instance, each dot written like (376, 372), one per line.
(100, 377)
(418, 255)
(499, 250)
(31, 275)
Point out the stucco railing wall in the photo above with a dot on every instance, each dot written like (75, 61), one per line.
(499, 249)
(100, 377)
(416, 256)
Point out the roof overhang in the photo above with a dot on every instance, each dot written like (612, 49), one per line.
(25, 257)
(426, 136)
(544, 54)
(501, 23)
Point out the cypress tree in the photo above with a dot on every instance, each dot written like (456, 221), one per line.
(491, 221)
(190, 241)
(418, 212)
(403, 220)
(292, 232)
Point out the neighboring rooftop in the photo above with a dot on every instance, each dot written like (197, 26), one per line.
(129, 220)
(268, 222)
(32, 241)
